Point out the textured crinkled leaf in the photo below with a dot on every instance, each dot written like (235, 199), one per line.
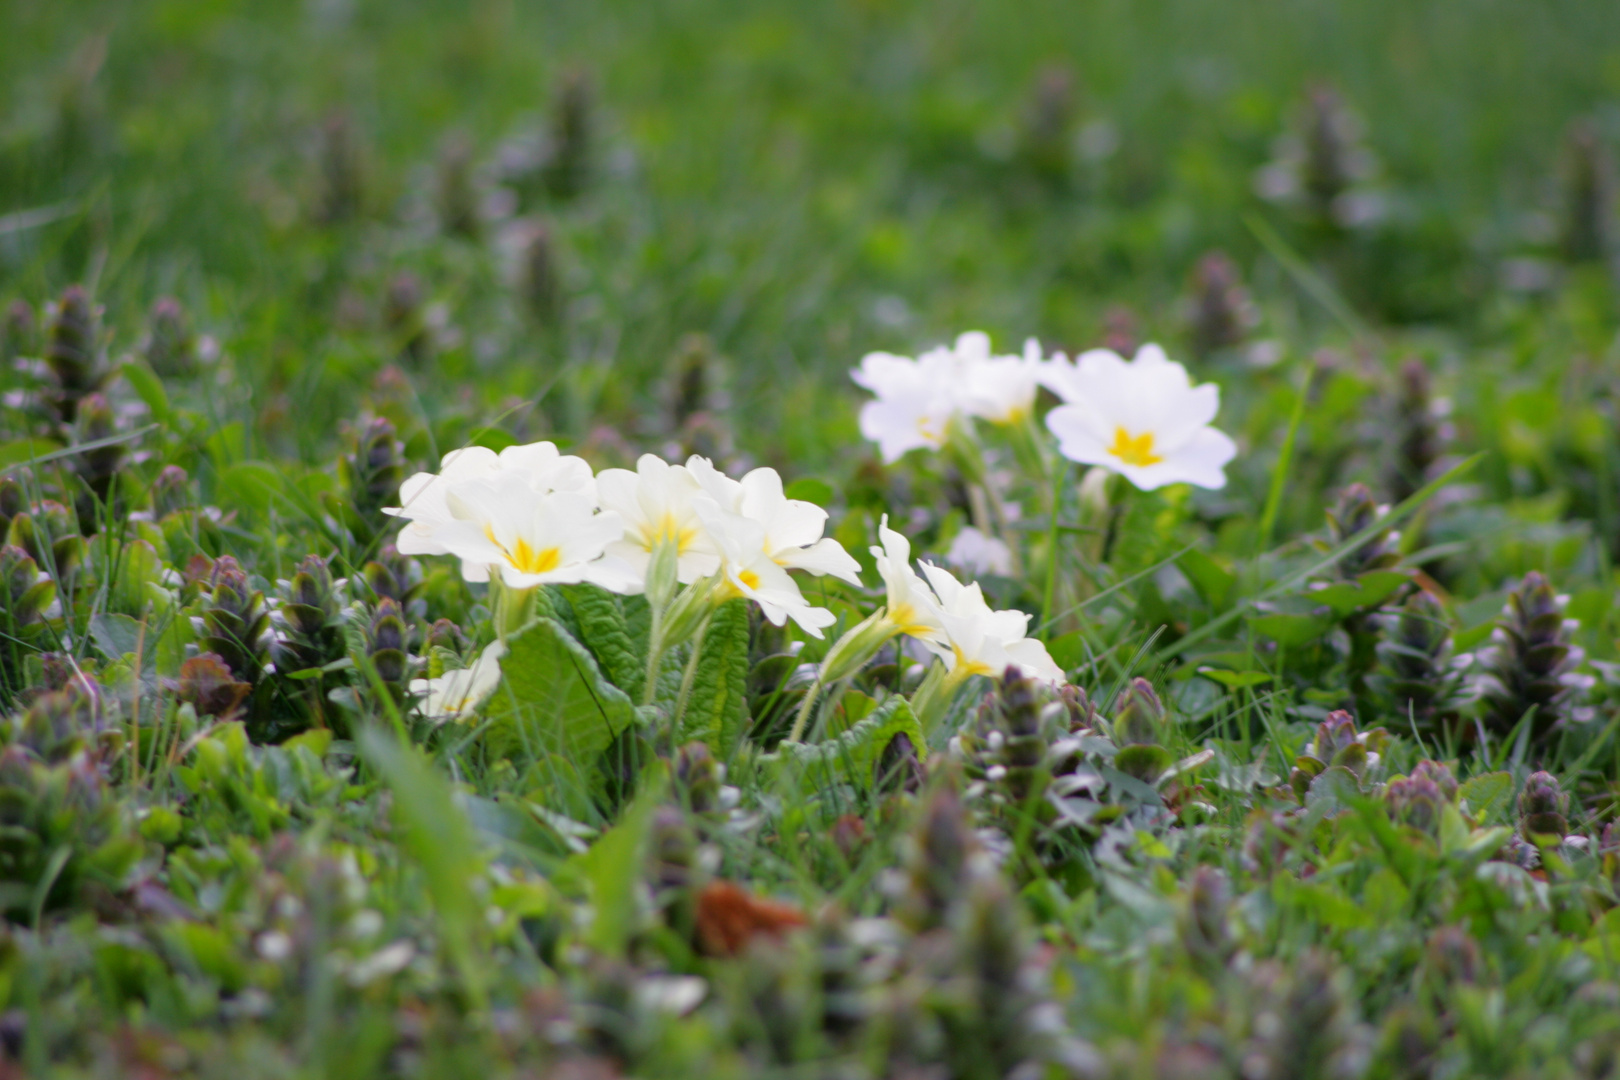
(717, 708)
(605, 631)
(852, 757)
(1486, 793)
(553, 698)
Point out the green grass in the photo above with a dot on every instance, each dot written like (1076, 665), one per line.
(192, 885)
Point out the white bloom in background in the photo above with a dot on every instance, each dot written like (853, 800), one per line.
(1143, 419)
(655, 504)
(1000, 389)
(791, 528)
(977, 554)
(748, 568)
(980, 641)
(912, 607)
(530, 537)
(423, 496)
(456, 693)
(916, 400)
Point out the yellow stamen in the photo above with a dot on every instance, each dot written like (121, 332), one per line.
(667, 528)
(905, 617)
(524, 558)
(748, 578)
(1137, 450)
(965, 667)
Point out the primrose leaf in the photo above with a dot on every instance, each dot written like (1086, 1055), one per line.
(553, 698)
(605, 631)
(717, 708)
(853, 756)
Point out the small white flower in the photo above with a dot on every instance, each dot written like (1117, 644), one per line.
(457, 693)
(423, 497)
(977, 554)
(655, 504)
(915, 403)
(980, 641)
(531, 538)
(1143, 419)
(912, 607)
(1000, 389)
(748, 568)
(792, 528)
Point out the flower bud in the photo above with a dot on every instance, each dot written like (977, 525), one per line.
(856, 646)
(209, 686)
(1139, 715)
(1542, 806)
(455, 191)
(1453, 956)
(404, 319)
(1589, 194)
(1205, 928)
(540, 281)
(699, 776)
(17, 332)
(1222, 312)
(1415, 801)
(342, 171)
(170, 348)
(572, 140)
(385, 647)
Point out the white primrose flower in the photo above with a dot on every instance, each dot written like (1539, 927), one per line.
(749, 570)
(912, 607)
(655, 505)
(791, 528)
(917, 400)
(980, 641)
(530, 537)
(423, 496)
(457, 693)
(1000, 389)
(1143, 419)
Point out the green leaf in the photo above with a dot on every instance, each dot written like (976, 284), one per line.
(21, 450)
(1235, 680)
(612, 867)
(436, 834)
(553, 698)
(1367, 591)
(120, 635)
(1068, 651)
(251, 485)
(149, 388)
(1290, 630)
(606, 632)
(1487, 793)
(717, 709)
(853, 756)
(810, 490)
(1213, 582)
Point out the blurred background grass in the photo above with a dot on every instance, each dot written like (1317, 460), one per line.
(799, 182)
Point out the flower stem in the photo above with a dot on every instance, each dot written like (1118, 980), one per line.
(655, 653)
(805, 710)
(1048, 622)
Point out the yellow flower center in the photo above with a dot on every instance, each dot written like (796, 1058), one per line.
(667, 528)
(1134, 450)
(524, 558)
(965, 667)
(905, 617)
(748, 578)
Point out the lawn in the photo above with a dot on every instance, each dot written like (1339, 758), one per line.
(864, 539)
